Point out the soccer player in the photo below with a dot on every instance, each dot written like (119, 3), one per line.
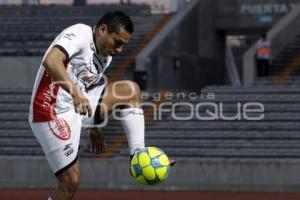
(67, 89)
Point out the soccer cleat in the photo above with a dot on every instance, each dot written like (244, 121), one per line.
(172, 162)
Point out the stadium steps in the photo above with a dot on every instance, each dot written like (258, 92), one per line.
(171, 134)
(277, 131)
(229, 111)
(19, 35)
(271, 137)
(184, 143)
(277, 134)
(241, 153)
(287, 57)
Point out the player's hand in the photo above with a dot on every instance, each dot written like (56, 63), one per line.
(81, 103)
(97, 141)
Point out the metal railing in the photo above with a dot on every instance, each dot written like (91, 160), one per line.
(231, 67)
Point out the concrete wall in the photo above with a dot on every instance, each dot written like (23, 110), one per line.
(211, 45)
(18, 71)
(175, 63)
(189, 174)
(197, 44)
(187, 54)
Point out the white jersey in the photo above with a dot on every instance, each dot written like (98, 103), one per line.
(84, 68)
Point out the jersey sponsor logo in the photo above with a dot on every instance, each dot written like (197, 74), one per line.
(49, 95)
(68, 149)
(45, 99)
(88, 78)
(60, 129)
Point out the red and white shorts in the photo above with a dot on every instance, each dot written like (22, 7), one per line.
(59, 139)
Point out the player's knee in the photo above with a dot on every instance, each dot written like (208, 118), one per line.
(136, 93)
(131, 90)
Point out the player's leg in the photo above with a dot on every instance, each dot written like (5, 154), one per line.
(68, 183)
(125, 95)
(59, 139)
(120, 94)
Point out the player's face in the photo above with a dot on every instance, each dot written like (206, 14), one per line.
(111, 43)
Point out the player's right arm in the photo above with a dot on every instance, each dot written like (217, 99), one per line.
(54, 65)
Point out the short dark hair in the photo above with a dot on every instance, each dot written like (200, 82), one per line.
(115, 20)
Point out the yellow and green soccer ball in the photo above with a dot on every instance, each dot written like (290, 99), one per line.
(150, 166)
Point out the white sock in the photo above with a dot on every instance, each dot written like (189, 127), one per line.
(49, 198)
(133, 122)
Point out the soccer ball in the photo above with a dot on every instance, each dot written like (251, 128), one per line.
(149, 166)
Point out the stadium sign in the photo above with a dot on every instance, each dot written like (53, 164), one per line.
(259, 9)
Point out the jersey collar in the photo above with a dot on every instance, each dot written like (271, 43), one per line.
(94, 47)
